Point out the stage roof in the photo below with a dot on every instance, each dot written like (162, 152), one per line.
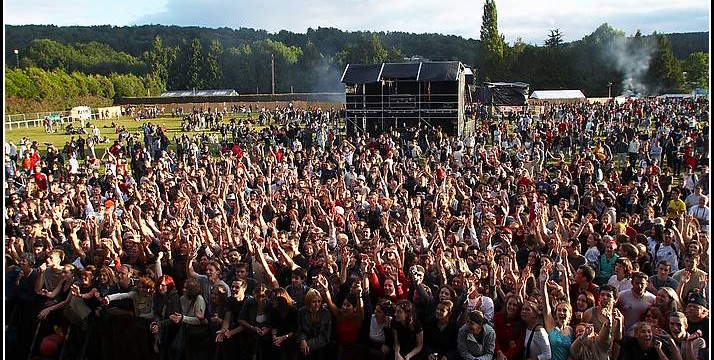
(421, 71)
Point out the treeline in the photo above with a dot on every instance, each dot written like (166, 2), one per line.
(110, 62)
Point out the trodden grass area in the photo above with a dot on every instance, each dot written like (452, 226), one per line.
(58, 139)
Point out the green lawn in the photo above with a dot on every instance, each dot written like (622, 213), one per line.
(58, 139)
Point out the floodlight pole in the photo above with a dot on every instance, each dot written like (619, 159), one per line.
(272, 72)
(609, 87)
(17, 58)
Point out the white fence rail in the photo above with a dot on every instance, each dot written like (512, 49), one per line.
(23, 121)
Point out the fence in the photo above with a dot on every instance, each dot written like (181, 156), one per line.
(19, 121)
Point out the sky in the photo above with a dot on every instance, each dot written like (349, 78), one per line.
(527, 20)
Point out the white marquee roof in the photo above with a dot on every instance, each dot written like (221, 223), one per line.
(557, 94)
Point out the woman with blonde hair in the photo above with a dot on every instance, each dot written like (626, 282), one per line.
(314, 327)
(560, 334)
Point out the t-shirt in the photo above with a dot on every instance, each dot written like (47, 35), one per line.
(633, 308)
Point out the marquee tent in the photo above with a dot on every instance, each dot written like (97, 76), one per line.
(557, 95)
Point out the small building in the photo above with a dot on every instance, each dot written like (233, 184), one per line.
(403, 96)
(194, 92)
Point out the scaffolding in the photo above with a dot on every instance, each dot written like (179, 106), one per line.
(397, 99)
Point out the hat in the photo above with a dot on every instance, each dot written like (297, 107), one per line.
(506, 230)
(109, 203)
(231, 196)
(418, 269)
(697, 299)
(361, 177)
(340, 210)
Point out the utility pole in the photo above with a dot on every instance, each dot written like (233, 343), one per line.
(272, 68)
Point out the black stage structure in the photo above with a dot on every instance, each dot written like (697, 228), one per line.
(402, 96)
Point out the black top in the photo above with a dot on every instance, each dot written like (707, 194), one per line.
(442, 341)
(631, 350)
(407, 337)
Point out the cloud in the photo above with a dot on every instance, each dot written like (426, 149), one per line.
(528, 20)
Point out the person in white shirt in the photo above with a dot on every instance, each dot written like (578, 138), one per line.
(693, 198)
(621, 279)
(701, 213)
(458, 156)
(73, 165)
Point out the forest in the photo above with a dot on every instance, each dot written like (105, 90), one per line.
(56, 67)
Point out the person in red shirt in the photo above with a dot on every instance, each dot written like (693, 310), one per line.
(510, 329)
(40, 178)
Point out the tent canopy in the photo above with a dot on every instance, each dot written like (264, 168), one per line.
(557, 95)
(503, 93)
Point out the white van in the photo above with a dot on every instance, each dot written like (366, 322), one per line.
(81, 113)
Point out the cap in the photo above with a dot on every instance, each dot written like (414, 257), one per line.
(231, 196)
(109, 203)
(340, 210)
(361, 177)
(419, 269)
(506, 230)
(697, 299)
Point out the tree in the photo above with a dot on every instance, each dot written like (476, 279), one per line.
(696, 65)
(368, 50)
(159, 58)
(492, 43)
(212, 68)
(555, 39)
(665, 73)
(195, 65)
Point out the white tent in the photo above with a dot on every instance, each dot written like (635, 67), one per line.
(557, 95)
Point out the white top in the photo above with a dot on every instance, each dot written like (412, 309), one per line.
(633, 308)
(540, 345)
(620, 285)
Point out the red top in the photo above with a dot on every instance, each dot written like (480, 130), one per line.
(510, 334)
(347, 330)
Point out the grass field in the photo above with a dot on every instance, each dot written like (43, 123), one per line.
(58, 139)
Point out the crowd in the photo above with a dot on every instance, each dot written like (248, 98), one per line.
(579, 232)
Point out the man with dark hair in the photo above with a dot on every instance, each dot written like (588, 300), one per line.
(662, 277)
(691, 277)
(584, 282)
(634, 302)
(297, 288)
(477, 339)
(690, 344)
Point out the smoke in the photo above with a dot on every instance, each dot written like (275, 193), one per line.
(631, 56)
(326, 78)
